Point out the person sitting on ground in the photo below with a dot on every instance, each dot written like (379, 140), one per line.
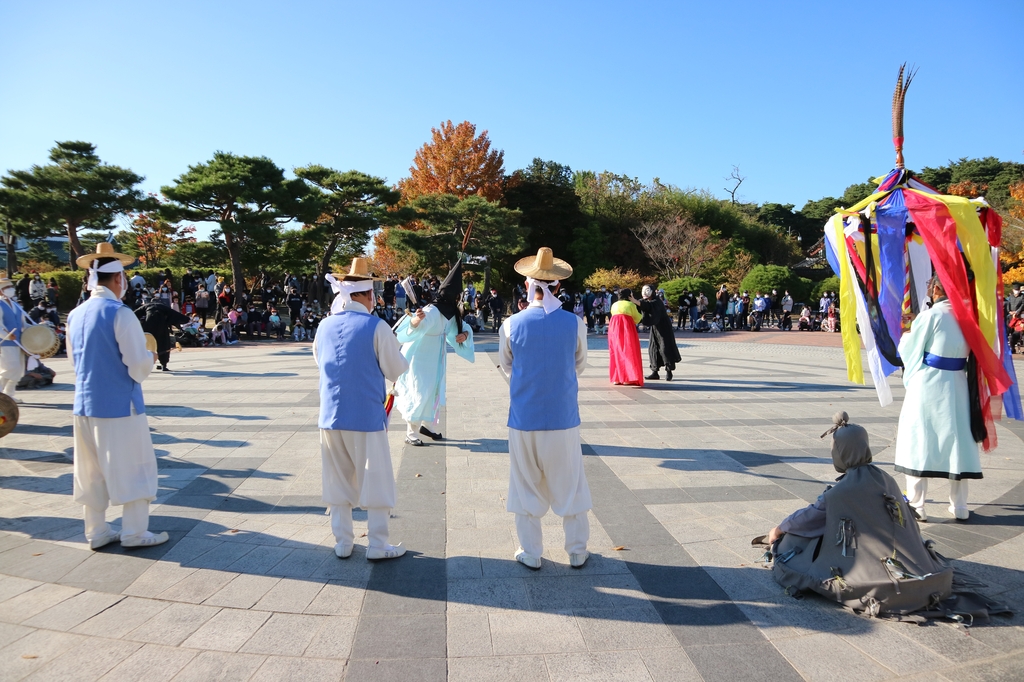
(786, 321)
(218, 335)
(834, 545)
(274, 325)
(299, 329)
(38, 312)
(804, 323)
(470, 320)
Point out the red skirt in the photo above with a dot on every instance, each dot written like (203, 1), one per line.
(624, 364)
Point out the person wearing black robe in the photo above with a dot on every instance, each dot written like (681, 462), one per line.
(157, 319)
(661, 347)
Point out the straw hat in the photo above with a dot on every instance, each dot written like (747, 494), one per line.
(5, 282)
(359, 271)
(544, 266)
(104, 250)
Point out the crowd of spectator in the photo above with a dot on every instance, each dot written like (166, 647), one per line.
(280, 308)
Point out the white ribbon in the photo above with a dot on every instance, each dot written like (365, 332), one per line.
(550, 302)
(344, 291)
(114, 266)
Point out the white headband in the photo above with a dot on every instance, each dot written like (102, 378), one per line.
(113, 266)
(344, 291)
(550, 302)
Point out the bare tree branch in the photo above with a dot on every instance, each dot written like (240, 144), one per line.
(736, 178)
(678, 247)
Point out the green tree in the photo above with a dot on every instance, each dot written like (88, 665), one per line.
(73, 191)
(792, 221)
(995, 175)
(588, 249)
(349, 206)
(444, 220)
(544, 194)
(40, 252)
(821, 210)
(612, 206)
(207, 255)
(247, 196)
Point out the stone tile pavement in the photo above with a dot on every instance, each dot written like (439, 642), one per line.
(683, 474)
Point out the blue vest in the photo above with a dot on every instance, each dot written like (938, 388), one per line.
(103, 387)
(351, 381)
(12, 321)
(543, 388)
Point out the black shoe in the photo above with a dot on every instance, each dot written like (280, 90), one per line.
(166, 368)
(668, 375)
(427, 432)
(653, 375)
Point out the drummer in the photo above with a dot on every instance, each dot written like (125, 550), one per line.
(12, 356)
(114, 458)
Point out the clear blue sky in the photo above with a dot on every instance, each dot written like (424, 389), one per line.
(796, 94)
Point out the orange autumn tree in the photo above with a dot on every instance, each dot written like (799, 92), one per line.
(153, 238)
(386, 261)
(456, 161)
(1012, 253)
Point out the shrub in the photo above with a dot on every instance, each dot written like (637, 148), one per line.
(800, 289)
(764, 278)
(673, 288)
(617, 278)
(830, 284)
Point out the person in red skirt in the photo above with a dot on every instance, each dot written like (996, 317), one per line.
(625, 366)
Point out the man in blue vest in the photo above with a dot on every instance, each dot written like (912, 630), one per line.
(12, 358)
(542, 350)
(114, 458)
(356, 351)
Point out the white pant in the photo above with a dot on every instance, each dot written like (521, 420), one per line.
(531, 537)
(547, 472)
(412, 429)
(357, 469)
(377, 526)
(134, 520)
(12, 369)
(917, 491)
(114, 461)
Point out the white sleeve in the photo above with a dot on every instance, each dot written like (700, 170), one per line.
(389, 352)
(581, 346)
(132, 342)
(505, 347)
(67, 342)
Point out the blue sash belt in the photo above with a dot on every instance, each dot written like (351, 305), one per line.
(939, 362)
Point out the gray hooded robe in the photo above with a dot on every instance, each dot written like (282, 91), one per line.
(870, 555)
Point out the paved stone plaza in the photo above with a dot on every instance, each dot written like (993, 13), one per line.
(683, 475)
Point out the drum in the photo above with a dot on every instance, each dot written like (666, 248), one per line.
(150, 342)
(8, 415)
(41, 340)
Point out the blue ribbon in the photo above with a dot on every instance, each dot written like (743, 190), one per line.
(949, 364)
